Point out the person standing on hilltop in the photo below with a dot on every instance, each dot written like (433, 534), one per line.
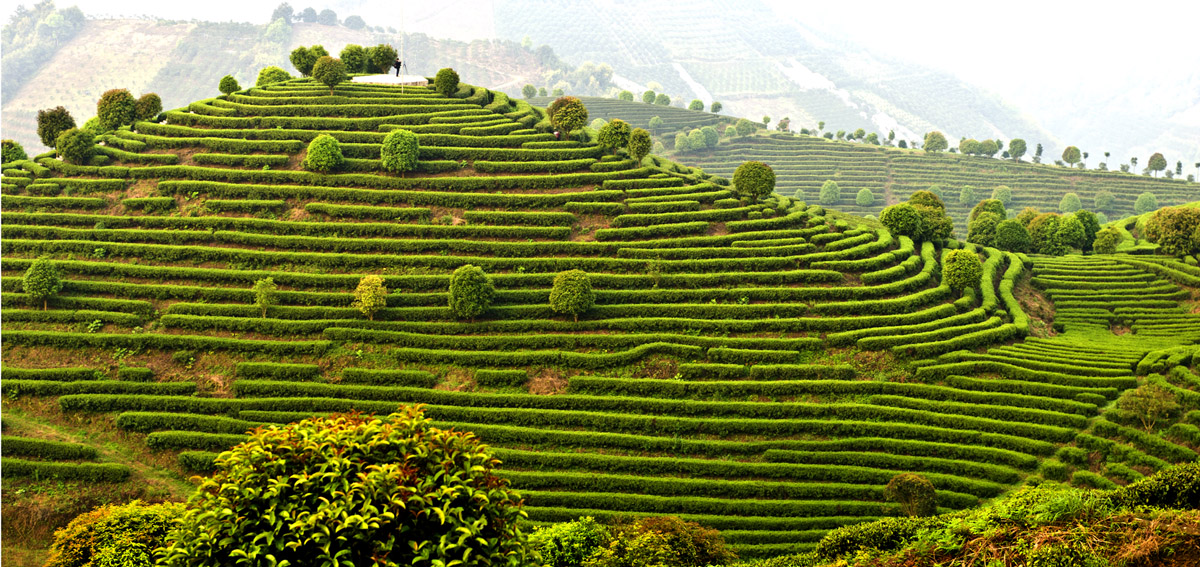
(397, 65)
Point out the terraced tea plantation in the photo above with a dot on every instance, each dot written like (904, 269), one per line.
(804, 163)
(639, 114)
(764, 368)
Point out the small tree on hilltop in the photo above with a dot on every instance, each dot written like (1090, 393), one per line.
(471, 292)
(662, 100)
(380, 58)
(569, 114)
(639, 144)
(330, 72)
(76, 146)
(271, 75)
(327, 17)
(696, 104)
(962, 269)
(1012, 236)
(400, 151)
(571, 293)
(648, 97)
(625, 96)
(370, 297)
(935, 142)
(283, 12)
(354, 22)
(324, 154)
(830, 194)
(716, 107)
(446, 81)
(42, 281)
(614, 135)
(307, 15)
(1016, 149)
(266, 294)
(353, 490)
(355, 58)
(303, 60)
(1071, 155)
(228, 85)
(865, 198)
(915, 494)
(116, 108)
(528, 91)
(754, 179)
(11, 151)
(147, 106)
(744, 127)
(1157, 163)
(51, 122)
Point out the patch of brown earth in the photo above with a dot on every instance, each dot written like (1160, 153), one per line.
(547, 382)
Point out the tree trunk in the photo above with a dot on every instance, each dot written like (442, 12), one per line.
(45, 304)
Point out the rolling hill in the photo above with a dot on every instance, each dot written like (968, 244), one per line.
(763, 368)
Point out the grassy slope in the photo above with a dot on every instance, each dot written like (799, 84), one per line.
(967, 430)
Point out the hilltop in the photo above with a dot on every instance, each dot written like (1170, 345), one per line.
(762, 366)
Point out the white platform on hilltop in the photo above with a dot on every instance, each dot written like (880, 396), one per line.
(405, 80)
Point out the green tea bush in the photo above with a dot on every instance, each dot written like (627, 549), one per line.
(865, 198)
(830, 194)
(114, 536)
(353, 490)
(11, 151)
(1176, 487)
(1012, 236)
(324, 154)
(228, 85)
(270, 75)
(76, 146)
(446, 81)
(665, 541)
(570, 544)
(147, 106)
(471, 292)
(400, 151)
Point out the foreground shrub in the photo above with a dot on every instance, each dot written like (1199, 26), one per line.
(147, 106)
(662, 541)
(446, 81)
(1175, 230)
(353, 490)
(11, 151)
(324, 154)
(1106, 241)
(272, 74)
(570, 544)
(114, 536)
(228, 85)
(329, 72)
(1177, 487)
(754, 179)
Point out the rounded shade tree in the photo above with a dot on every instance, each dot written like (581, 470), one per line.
(967, 195)
(353, 490)
(625, 96)
(567, 114)
(147, 106)
(76, 146)
(902, 219)
(370, 297)
(471, 292)
(228, 85)
(744, 127)
(981, 230)
(711, 136)
(994, 206)
(528, 91)
(446, 81)
(42, 281)
(962, 269)
(648, 97)
(614, 135)
(270, 75)
(1174, 230)
(380, 58)
(400, 151)
(303, 60)
(1071, 155)
(1104, 201)
(915, 494)
(570, 544)
(830, 194)
(116, 108)
(355, 58)
(716, 107)
(1106, 241)
(864, 198)
(662, 100)
(1157, 163)
(681, 142)
(697, 140)
(51, 122)
(639, 144)
(1012, 236)
(931, 198)
(935, 142)
(1069, 203)
(754, 179)
(1016, 148)
(696, 104)
(324, 154)
(571, 293)
(329, 72)
(1145, 203)
(1003, 194)
(1045, 235)
(11, 151)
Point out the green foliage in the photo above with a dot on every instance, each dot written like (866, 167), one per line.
(662, 100)
(754, 179)
(1072, 233)
(370, 297)
(116, 108)
(902, 219)
(355, 58)
(400, 151)
(648, 97)
(1146, 202)
(716, 107)
(1177, 487)
(935, 142)
(1069, 203)
(967, 195)
(1045, 235)
(711, 136)
(1104, 201)
(696, 140)
(147, 106)
(830, 194)
(11, 151)
(1091, 226)
(639, 144)
(570, 544)
(1157, 163)
(1003, 194)
(52, 122)
(271, 75)
(353, 490)
(662, 542)
(324, 154)
(993, 206)
(380, 58)
(303, 59)
(1106, 241)
(446, 81)
(682, 142)
(114, 536)
(982, 229)
(1174, 229)
(76, 146)
(354, 22)
(567, 114)
(930, 198)
(529, 91)
(329, 72)
(915, 494)
(744, 127)
(228, 85)
(614, 135)
(1017, 148)
(471, 292)
(266, 294)
(962, 269)
(1012, 236)
(865, 198)
(1071, 155)
(42, 280)
(1150, 404)
(696, 104)
(571, 293)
